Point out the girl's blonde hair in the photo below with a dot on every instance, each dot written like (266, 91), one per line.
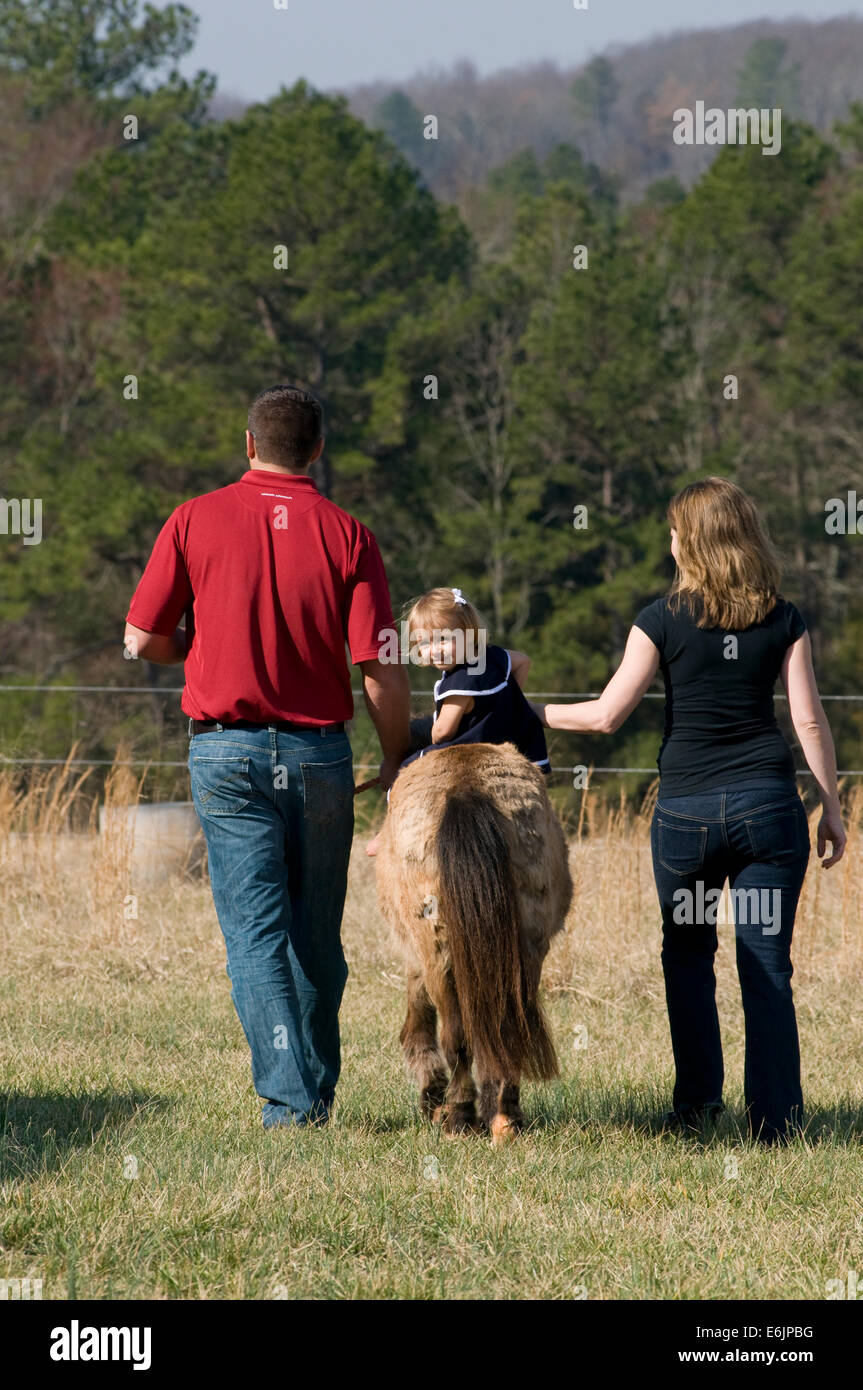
(728, 573)
(439, 610)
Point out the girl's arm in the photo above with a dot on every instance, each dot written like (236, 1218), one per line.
(619, 698)
(449, 717)
(813, 733)
(520, 667)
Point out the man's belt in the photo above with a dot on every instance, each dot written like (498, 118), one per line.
(285, 726)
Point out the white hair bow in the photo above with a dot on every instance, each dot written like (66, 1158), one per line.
(459, 596)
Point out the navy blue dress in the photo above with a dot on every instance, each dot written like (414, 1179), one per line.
(500, 712)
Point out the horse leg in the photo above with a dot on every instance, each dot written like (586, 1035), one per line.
(489, 1096)
(418, 1037)
(500, 1110)
(459, 1110)
(499, 1105)
(509, 1120)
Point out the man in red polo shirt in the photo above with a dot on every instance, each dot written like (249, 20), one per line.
(274, 581)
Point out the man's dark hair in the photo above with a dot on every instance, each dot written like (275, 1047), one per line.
(287, 424)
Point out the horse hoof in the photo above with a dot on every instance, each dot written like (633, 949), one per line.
(431, 1108)
(459, 1123)
(503, 1130)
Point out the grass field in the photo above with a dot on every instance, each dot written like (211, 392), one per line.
(133, 1163)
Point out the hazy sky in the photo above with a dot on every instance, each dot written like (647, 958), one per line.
(254, 48)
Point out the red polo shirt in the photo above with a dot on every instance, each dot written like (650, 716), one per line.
(276, 580)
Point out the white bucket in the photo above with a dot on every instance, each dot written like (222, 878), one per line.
(165, 838)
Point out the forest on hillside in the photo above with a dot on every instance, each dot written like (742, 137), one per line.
(617, 107)
(489, 364)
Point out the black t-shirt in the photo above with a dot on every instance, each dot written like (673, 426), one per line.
(720, 725)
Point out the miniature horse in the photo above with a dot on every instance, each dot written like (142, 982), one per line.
(472, 876)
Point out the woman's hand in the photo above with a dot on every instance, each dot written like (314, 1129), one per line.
(816, 741)
(830, 828)
(629, 683)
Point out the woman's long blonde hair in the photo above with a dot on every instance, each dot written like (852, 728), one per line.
(728, 573)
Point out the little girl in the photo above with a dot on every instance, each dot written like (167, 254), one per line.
(479, 697)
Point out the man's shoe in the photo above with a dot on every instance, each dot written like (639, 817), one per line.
(276, 1116)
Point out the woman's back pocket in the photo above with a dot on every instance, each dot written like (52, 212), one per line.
(778, 838)
(681, 848)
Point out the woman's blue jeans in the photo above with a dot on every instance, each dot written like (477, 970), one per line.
(277, 813)
(757, 838)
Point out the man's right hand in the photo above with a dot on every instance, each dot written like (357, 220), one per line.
(388, 700)
(389, 772)
(153, 646)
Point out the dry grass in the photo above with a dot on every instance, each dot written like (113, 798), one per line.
(132, 1162)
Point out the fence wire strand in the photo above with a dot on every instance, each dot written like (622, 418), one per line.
(358, 767)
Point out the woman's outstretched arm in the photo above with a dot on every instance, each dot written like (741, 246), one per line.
(625, 689)
(816, 740)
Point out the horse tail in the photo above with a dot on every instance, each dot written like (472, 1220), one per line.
(480, 909)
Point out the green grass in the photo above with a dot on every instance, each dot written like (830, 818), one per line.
(119, 1043)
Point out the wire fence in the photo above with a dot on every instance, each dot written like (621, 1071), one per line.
(415, 694)
(358, 767)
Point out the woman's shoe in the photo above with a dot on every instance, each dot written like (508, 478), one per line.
(691, 1119)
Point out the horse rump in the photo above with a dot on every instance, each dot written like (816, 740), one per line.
(479, 908)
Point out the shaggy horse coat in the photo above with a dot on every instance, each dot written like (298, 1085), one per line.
(473, 878)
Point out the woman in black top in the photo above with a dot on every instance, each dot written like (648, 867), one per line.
(728, 806)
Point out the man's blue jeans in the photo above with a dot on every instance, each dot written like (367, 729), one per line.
(277, 813)
(757, 837)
